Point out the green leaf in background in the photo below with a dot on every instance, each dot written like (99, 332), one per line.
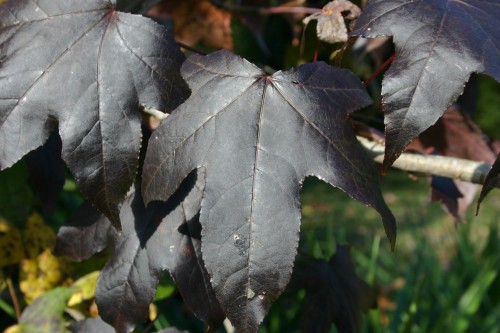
(473, 297)
(16, 196)
(84, 288)
(164, 291)
(45, 314)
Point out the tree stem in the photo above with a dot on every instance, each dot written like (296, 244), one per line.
(190, 48)
(380, 69)
(450, 167)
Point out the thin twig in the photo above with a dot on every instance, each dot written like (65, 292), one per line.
(380, 70)
(265, 10)
(13, 296)
(154, 113)
(316, 51)
(450, 167)
(291, 10)
(227, 325)
(192, 49)
(149, 327)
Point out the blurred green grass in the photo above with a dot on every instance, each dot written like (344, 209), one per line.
(442, 276)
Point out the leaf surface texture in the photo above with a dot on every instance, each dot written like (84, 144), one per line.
(258, 137)
(84, 68)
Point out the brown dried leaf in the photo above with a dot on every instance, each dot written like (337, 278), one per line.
(197, 21)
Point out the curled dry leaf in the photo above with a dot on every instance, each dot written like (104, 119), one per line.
(331, 26)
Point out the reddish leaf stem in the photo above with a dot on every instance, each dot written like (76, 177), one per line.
(13, 296)
(265, 10)
(290, 10)
(380, 70)
(192, 49)
(315, 58)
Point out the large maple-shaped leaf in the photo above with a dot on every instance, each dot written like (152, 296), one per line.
(439, 43)
(85, 68)
(165, 236)
(258, 137)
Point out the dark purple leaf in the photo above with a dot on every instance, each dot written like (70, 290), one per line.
(192, 278)
(165, 236)
(492, 180)
(152, 241)
(439, 43)
(91, 325)
(86, 234)
(335, 294)
(84, 68)
(445, 190)
(455, 135)
(47, 172)
(258, 137)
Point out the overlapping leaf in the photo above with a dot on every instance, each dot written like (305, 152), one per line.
(88, 233)
(335, 294)
(439, 43)
(84, 68)
(455, 135)
(258, 137)
(161, 237)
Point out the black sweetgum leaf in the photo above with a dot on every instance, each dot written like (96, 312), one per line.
(165, 236)
(258, 137)
(439, 43)
(87, 233)
(335, 294)
(84, 68)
